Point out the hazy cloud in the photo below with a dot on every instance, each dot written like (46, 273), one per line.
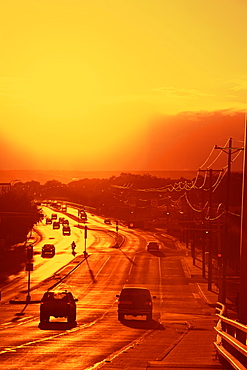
(173, 92)
(195, 116)
(239, 85)
(183, 141)
(203, 114)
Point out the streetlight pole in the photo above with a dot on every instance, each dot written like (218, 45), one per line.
(117, 232)
(85, 245)
(29, 268)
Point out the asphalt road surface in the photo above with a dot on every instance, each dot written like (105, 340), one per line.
(98, 336)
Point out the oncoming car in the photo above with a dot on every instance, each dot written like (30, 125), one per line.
(135, 301)
(61, 220)
(66, 230)
(58, 304)
(56, 225)
(107, 221)
(48, 251)
(153, 246)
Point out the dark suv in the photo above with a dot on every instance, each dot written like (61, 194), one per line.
(152, 246)
(48, 251)
(136, 302)
(58, 304)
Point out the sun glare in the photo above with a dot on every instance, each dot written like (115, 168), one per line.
(81, 80)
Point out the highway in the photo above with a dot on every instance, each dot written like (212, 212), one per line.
(98, 336)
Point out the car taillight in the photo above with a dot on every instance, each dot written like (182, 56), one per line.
(148, 303)
(125, 302)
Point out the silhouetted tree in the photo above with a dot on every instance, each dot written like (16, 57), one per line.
(18, 215)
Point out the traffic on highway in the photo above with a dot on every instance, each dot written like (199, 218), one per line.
(94, 294)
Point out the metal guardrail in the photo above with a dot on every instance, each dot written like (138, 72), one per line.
(231, 340)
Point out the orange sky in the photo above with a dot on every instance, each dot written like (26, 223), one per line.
(83, 83)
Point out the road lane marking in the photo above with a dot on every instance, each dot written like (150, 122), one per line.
(131, 266)
(122, 350)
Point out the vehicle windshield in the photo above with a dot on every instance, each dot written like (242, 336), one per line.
(48, 247)
(129, 294)
(59, 296)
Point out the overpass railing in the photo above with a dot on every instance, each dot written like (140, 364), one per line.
(231, 341)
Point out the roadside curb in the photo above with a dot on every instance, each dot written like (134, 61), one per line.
(23, 302)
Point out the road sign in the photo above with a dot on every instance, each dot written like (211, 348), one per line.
(29, 266)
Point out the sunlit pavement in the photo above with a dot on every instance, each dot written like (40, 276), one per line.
(194, 342)
(194, 349)
(49, 272)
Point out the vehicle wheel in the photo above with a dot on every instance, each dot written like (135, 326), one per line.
(120, 316)
(149, 316)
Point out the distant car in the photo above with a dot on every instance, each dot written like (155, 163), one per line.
(153, 246)
(48, 221)
(107, 221)
(48, 251)
(83, 216)
(58, 304)
(56, 225)
(61, 220)
(65, 222)
(135, 301)
(66, 230)
(54, 216)
(64, 208)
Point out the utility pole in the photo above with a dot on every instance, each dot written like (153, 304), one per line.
(243, 242)
(203, 241)
(210, 254)
(210, 241)
(225, 246)
(210, 247)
